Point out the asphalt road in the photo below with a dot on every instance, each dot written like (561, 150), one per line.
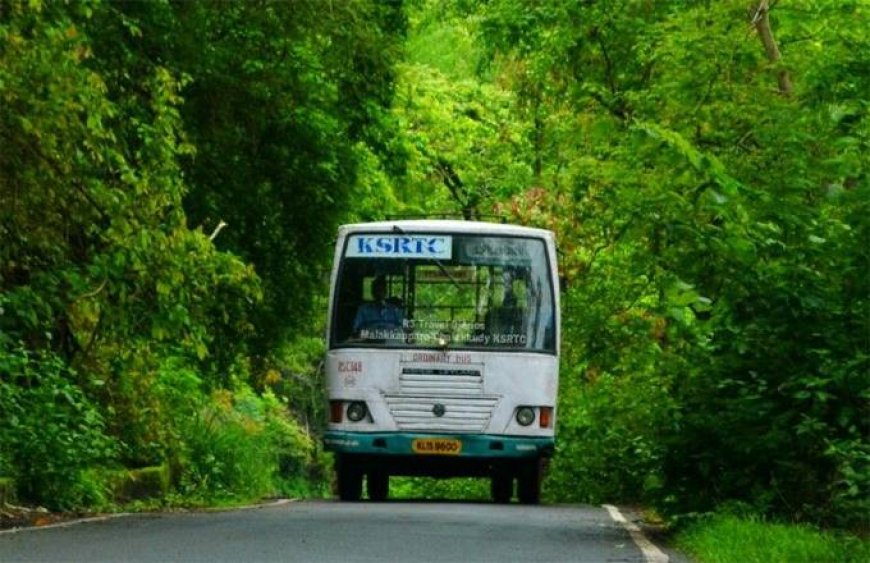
(341, 532)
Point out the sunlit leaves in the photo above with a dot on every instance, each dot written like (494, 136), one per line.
(98, 264)
(465, 149)
(708, 203)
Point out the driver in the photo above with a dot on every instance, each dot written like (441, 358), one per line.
(381, 313)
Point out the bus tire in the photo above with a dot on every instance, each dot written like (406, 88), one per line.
(501, 487)
(378, 486)
(529, 482)
(349, 482)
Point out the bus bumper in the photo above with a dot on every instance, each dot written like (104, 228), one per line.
(427, 444)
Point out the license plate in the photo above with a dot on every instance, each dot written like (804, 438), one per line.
(436, 446)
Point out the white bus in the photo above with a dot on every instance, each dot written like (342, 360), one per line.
(443, 355)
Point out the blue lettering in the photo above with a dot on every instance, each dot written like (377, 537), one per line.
(397, 246)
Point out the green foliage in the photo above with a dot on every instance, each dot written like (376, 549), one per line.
(463, 149)
(297, 376)
(725, 539)
(134, 484)
(714, 234)
(224, 454)
(416, 488)
(715, 231)
(242, 446)
(442, 38)
(614, 424)
(53, 434)
(7, 490)
(100, 270)
(286, 105)
(97, 263)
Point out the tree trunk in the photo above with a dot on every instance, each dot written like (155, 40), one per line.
(761, 21)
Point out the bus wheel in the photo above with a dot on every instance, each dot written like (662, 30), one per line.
(349, 483)
(501, 487)
(529, 482)
(378, 486)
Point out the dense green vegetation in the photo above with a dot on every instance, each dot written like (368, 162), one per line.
(171, 175)
(711, 203)
(135, 328)
(729, 539)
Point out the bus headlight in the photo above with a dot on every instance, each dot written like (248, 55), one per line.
(356, 411)
(525, 416)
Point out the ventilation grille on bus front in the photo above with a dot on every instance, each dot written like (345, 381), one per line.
(456, 414)
(440, 381)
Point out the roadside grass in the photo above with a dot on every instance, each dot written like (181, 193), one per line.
(727, 539)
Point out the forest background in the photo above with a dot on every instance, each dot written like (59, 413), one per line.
(172, 175)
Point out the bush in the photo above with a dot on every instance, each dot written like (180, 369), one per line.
(52, 433)
(607, 447)
(134, 484)
(300, 470)
(241, 445)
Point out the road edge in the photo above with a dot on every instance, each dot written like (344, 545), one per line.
(105, 517)
(651, 553)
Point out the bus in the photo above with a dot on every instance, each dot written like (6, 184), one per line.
(443, 355)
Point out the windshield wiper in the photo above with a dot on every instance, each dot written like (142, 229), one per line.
(438, 262)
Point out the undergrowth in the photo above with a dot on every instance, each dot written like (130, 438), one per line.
(732, 539)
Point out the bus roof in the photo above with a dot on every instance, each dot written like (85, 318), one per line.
(445, 226)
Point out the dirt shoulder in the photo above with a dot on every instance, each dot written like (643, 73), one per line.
(14, 516)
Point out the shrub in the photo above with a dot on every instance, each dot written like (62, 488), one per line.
(146, 482)
(52, 433)
(241, 445)
(607, 447)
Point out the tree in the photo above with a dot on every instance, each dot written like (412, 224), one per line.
(284, 102)
(705, 210)
(98, 266)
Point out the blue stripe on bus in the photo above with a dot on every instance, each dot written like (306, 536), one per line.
(473, 445)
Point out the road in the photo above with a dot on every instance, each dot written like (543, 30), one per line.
(342, 532)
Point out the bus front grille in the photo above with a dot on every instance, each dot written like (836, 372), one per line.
(441, 414)
(441, 382)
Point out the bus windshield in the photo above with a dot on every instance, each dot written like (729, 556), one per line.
(444, 291)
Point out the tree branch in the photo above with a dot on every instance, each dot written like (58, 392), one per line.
(456, 187)
(761, 21)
